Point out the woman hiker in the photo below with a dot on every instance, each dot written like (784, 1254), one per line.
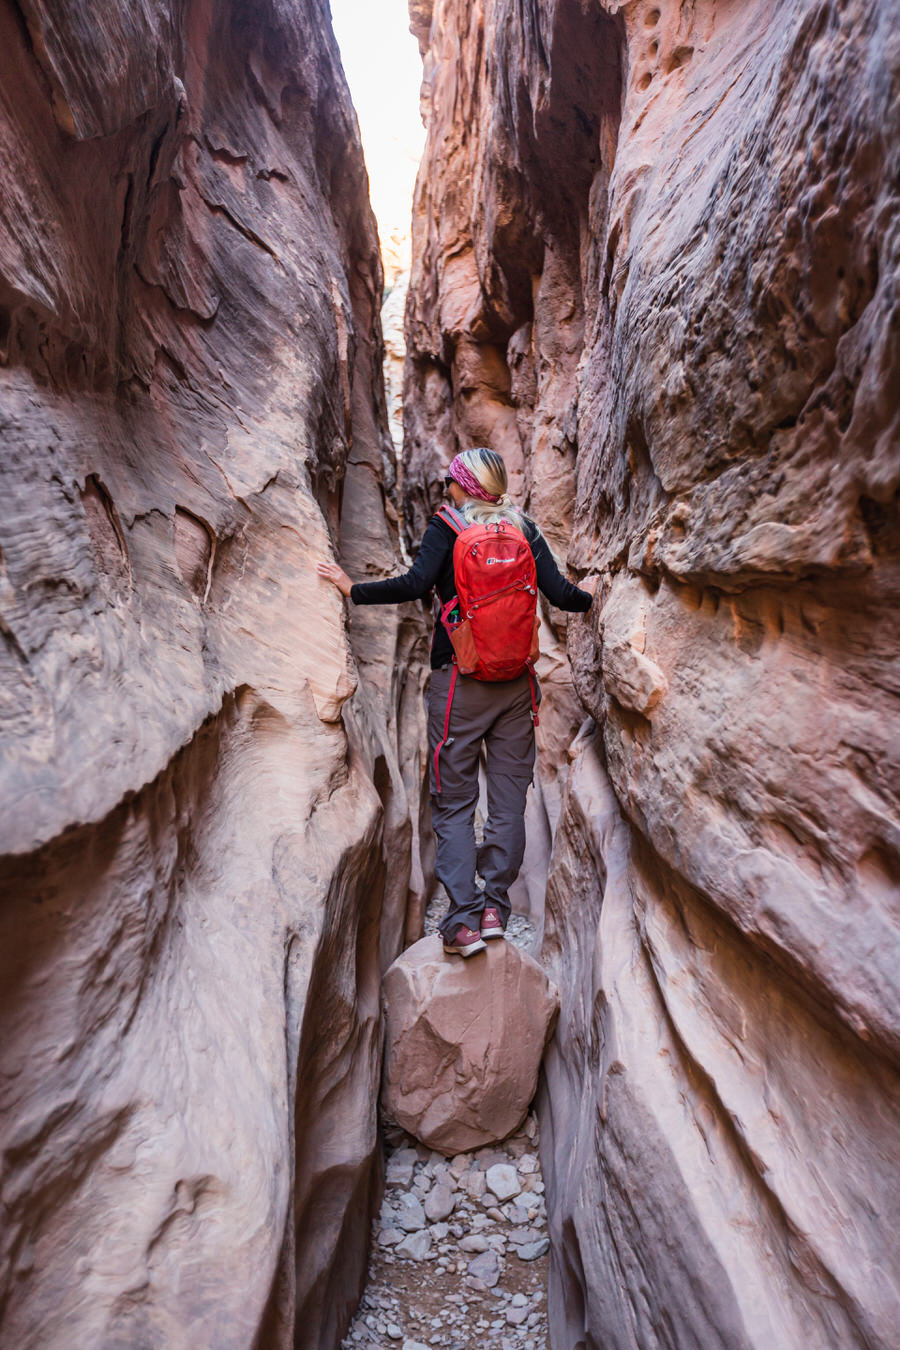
(464, 712)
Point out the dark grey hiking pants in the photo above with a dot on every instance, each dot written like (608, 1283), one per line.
(499, 716)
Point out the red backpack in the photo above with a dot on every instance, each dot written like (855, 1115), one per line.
(492, 620)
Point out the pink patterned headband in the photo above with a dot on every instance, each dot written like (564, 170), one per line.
(463, 475)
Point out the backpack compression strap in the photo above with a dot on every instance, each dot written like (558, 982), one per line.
(446, 739)
(450, 516)
(536, 721)
(457, 522)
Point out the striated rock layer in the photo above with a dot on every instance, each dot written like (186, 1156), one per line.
(197, 808)
(655, 264)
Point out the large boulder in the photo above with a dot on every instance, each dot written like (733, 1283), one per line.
(464, 1042)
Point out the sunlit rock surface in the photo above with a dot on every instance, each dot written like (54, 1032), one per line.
(394, 354)
(655, 264)
(197, 808)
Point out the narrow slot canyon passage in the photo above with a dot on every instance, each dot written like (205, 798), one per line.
(267, 268)
(451, 1264)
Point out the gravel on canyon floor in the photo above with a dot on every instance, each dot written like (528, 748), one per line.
(459, 1250)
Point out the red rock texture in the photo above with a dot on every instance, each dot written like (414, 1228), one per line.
(655, 264)
(464, 1042)
(198, 810)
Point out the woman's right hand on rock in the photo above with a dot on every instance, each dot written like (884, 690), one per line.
(590, 583)
(330, 571)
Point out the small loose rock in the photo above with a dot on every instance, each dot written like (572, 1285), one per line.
(532, 1250)
(502, 1179)
(416, 1246)
(409, 1213)
(439, 1203)
(485, 1267)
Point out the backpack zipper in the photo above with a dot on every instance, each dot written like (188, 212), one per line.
(492, 595)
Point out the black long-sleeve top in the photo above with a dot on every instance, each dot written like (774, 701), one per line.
(434, 568)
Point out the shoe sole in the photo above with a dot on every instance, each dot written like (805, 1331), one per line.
(493, 932)
(464, 952)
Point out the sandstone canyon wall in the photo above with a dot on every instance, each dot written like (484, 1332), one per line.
(197, 807)
(655, 265)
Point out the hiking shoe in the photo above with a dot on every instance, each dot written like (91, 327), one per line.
(491, 927)
(466, 942)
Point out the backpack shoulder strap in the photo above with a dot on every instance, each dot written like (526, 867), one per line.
(450, 516)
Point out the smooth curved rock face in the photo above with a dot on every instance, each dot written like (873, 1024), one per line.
(197, 808)
(658, 271)
(464, 1041)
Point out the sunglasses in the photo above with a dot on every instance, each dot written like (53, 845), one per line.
(448, 480)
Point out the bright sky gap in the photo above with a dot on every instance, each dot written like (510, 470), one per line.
(384, 70)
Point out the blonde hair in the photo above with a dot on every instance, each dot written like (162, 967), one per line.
(489, 469)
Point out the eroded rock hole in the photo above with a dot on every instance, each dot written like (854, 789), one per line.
(195, 548)
(105, 530)
(679, 57)
(5, 327)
